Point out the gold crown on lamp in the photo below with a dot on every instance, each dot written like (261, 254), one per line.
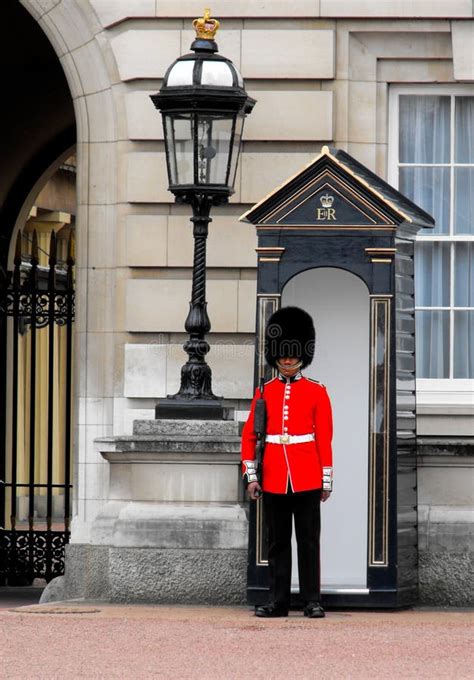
(327, 200)
(205, 27)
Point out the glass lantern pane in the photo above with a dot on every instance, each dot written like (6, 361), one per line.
(424, 129)
(464, 201)
(432, 344)
(214, 135)
(463, 358)
(239, 124)
(464, 147)
(179, 146)
(216, 73)
(430, 189)
(432, 266)
(464, 275)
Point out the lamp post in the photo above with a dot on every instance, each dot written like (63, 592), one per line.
(203, 104)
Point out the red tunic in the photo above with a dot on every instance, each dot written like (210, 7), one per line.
(294, 407)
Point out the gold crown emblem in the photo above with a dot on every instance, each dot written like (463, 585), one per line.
(205, 27)
(327, 200)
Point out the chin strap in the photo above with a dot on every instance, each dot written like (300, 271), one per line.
(283, 367)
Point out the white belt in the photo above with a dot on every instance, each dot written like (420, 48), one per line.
(289, 438)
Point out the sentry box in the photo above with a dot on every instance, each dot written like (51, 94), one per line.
(338, 241)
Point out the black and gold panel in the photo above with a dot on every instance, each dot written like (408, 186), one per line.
(379, 431)
(266, 305)
(327, 201)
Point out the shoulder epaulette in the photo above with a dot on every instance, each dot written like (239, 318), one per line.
(315, 381)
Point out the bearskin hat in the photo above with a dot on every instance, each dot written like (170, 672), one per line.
(290, 333)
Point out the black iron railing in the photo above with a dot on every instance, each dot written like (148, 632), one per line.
(35, 459)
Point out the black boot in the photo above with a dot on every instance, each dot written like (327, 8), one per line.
(313, 610)
(271, 610)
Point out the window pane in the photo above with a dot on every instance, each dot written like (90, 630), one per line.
(463, 345)
(432, 344)
(464, 133)
(464, 275)
(464, 201)
(432, 267)
(424, 129)
(429, 188)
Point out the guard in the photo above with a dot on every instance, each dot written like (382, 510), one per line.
(296, 473)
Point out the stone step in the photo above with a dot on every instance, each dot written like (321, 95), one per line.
(190, 428)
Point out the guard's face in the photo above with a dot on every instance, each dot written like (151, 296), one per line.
(289, 366)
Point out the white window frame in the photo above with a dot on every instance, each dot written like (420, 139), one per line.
(446, 391)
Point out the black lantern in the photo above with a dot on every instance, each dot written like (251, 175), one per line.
(203, 103)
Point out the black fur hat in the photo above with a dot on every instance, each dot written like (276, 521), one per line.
(290, 333)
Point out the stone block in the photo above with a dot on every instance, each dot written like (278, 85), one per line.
(143, 120)
(153, 371)
(239, 8)
(396, 8)
(89, 63)
(276, 54)
(415, 70)
(95, 411)
(262, 172)
(71, 24)
(168, 482)
(77, 90)
(290, 115)
(101, 116)
(145, 241)
(101, 300)
(95, 356)
(147, 178)
(110, 13)
(229, 245)
(102, 173)
(442, 485)
(101, 237)
(362, 112)
(247, 301)
(145, 370)
(178, 576)
(340, 92)
(463, 49)
(197, 428)
(145, 54)
(446, 578)
(154, 305)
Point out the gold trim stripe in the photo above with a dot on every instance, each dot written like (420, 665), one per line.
(377, 304)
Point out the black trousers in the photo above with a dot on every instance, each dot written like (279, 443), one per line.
(279, 510)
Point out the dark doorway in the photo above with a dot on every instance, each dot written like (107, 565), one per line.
(37, 135)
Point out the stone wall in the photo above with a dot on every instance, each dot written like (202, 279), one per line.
(320, 75)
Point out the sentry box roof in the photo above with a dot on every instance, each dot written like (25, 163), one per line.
(336, 192)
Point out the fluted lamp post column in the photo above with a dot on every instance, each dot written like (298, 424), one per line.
(203, 104)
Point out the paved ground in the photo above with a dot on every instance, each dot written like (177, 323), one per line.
(98, 641)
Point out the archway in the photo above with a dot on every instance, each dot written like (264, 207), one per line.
(37, 135)
(339, 304)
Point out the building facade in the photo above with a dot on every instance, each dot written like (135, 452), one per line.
(389, 82)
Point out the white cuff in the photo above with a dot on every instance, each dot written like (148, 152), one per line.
(327, 478)
(250, 471)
